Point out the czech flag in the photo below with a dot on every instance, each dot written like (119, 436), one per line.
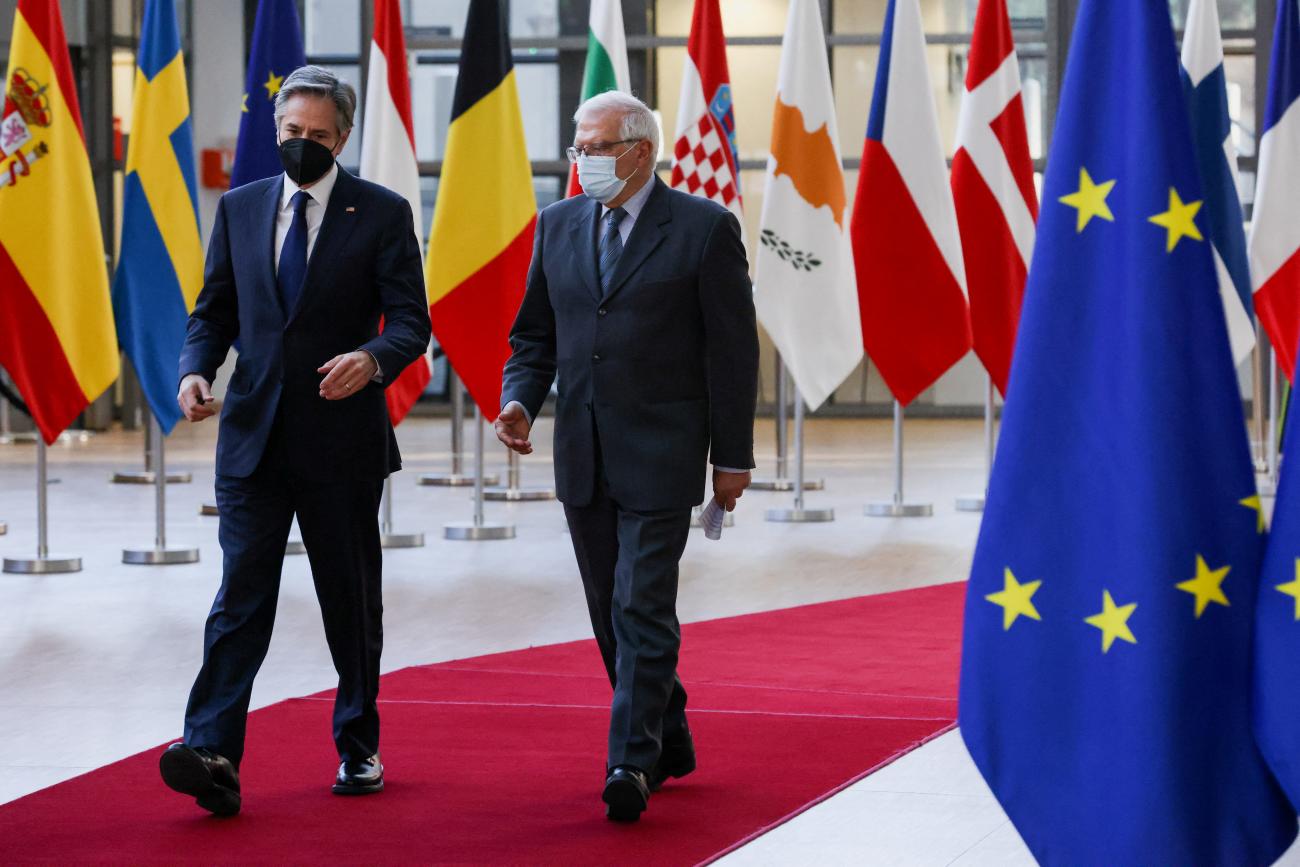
(906, 247)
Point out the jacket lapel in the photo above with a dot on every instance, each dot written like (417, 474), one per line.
(335, 229)
(583, 236)
(262, 233)
(647, 235)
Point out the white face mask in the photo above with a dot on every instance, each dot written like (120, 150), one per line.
(598, 177)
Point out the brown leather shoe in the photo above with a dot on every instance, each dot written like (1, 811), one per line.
(364, 777)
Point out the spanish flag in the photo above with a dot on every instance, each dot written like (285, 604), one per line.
(56, 322)
(160, 265)
(481, 240)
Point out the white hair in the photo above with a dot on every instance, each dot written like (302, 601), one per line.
(638, 121)
(317, 81)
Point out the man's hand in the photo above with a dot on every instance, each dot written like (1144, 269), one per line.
(195, 398)
(728, 487)
(512, 428)
(346, 374)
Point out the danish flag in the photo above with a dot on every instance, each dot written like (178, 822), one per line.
(993, 189)
(704, 155)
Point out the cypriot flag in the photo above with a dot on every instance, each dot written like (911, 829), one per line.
(804, 285)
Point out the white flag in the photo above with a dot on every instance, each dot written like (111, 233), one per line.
(804, 287)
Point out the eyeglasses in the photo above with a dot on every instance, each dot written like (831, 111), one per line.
(598, 149)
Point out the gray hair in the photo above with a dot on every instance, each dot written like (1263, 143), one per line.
(638, 120)
(318, 81)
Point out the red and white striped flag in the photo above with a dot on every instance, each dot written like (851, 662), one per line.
(705, 160)
(993, 188)
(388, 158)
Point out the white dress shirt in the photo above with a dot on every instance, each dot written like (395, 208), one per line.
(315, 214)
(320, 199)
(633, 206)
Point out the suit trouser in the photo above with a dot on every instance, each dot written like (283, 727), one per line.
(628, 560)
(340, 529)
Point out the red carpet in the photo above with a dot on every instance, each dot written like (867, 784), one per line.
(500, 759)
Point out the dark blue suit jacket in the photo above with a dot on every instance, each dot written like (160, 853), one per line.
(365, 264)
(664, 367)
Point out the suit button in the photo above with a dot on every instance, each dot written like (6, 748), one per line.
(595, 358)
(587, 407)
(601, 312)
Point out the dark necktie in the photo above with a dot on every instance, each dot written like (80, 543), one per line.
(293, 255)
(611, 248)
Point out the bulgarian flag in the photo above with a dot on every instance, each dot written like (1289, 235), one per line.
(388, 158)
(57, 338)
(606, 61)
(481, 241)
(705, 160)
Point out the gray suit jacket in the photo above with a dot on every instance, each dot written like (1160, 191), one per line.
(662, 370)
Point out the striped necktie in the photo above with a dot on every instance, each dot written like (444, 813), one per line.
(611, 248)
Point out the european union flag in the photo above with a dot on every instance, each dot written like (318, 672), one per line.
(276, 52)
(1106, 668)
(160, 266)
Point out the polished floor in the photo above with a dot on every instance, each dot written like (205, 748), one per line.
(96, 665)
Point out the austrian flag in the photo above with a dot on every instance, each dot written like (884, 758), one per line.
(704, 155)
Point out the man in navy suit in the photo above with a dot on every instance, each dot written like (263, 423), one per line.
(301, 267)
(641, 301)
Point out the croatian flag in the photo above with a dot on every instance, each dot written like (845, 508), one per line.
(1205, 85)
(906, 247)
(1275, 233)
(993, 188)
(388, 158)
(705, 160)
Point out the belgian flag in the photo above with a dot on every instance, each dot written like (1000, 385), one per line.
(481, 240)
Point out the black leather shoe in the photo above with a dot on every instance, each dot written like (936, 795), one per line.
(627, 792)
(364, 777)
(210, 778)
(676, 760)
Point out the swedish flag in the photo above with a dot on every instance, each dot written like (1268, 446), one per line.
(1106, 667)
(160, 266)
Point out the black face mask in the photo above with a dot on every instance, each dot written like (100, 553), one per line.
(305, 161)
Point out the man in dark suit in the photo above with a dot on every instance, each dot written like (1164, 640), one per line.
(300, 269)
(641, 301)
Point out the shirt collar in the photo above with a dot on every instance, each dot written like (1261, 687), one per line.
(319, 191)
(634, 205)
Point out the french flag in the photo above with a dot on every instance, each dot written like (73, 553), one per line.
(388, 158)
(906, 246)
(1275, 233)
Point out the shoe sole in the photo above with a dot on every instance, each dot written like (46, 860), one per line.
(623, 801)
(186, 773)
(358, 790)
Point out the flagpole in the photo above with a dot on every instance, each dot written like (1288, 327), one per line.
(781, 481)
(514, 492)
(457, 477)
(798, 514)
(1257, 400)
(972, 503)
(478, 529)
(145, 476)
(1272, 422)
(897, 508)
(160, 554)
(44, 564)
(387, 538)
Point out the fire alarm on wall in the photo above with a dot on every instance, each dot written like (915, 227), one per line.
(215, 167)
